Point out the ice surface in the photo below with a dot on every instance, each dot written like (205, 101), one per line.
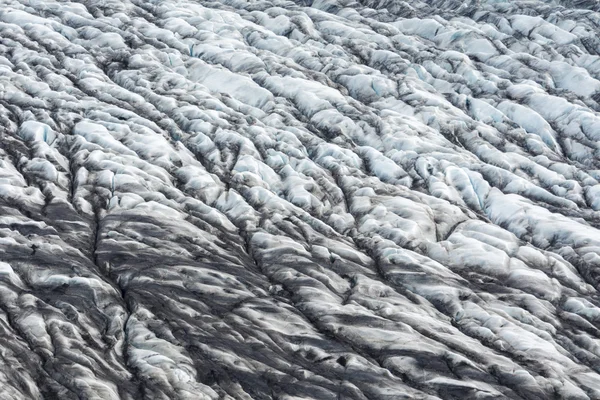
(299, 199)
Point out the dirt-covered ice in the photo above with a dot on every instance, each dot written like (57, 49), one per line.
(329, 199)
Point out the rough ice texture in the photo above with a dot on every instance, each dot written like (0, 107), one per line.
(326, 199)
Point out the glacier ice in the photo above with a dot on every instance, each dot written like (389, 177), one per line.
(328, 199)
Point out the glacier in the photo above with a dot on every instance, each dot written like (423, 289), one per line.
(273, 199)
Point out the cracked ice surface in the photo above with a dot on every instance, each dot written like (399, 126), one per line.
(369, 199)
